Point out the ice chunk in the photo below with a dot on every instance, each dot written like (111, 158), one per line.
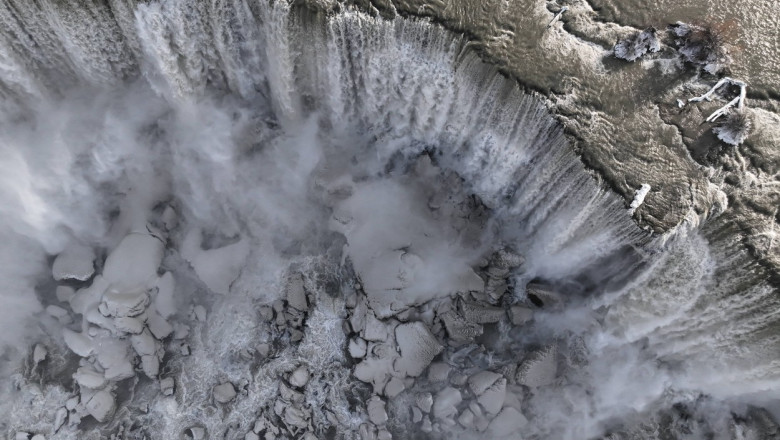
(127, 324)
(164, 301)
(89, 378)
(159, 327)
(300, 377)
(438, 372)
(492, 399)
(39, 354)
(519, 315)
(481, 313)
(376, 411)
(295, 293)
(217, 268)
(480, 382)
(101, 406)
(394, 387)
(446, 402)
(539, 369)
(118, 303)
(424, 401)
(507, 423)
(134, 262)
(76, 262)
(224, 392)
(144, 343)
(166, 386)
(357, 348)
(418, 347)
(78, 342)
(64, 293)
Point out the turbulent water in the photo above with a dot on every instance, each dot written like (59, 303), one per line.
(380, 159)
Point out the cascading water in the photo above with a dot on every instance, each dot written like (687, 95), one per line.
(386, 166)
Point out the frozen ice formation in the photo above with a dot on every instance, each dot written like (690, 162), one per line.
(702, 46)
(539, 368)
(639, 198)
(636, 45)
(219, 267)
(76, 262)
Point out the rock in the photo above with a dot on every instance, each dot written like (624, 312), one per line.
(519, 315)
(376, 411)
(507, 423)
(418, 347)
(166, 386)
(357, 348)
(539, 369)
(384, 434)
(445, 403)
(76, 262)
(38, 437)
(39, 354)
(22, 436)
(438, 372)
(101, 406)
(224, 393)
(251, 436)
(300, 377)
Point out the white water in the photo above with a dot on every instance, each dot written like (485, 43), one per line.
(251, 117)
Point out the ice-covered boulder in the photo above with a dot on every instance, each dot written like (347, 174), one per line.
(76, 262)
(418, 347)
(637, 44)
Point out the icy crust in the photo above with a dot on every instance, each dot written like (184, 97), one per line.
(635, 46)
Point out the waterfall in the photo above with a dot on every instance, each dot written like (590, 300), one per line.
(289, 130)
